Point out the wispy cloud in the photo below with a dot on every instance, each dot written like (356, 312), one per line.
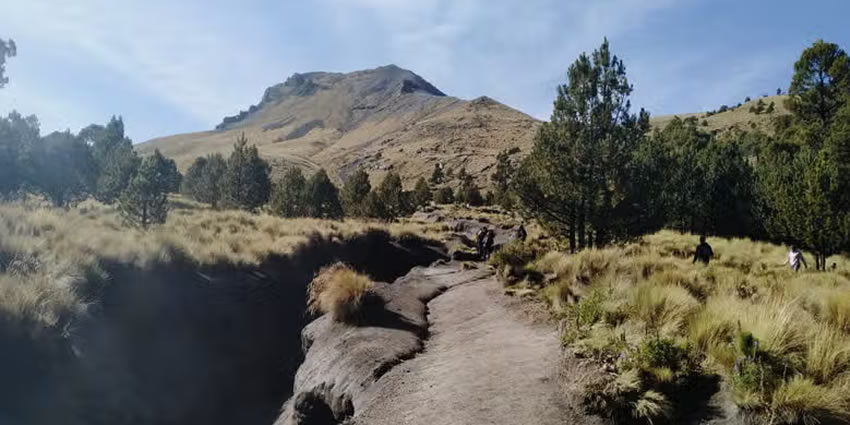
(181, 66)
(514, 51)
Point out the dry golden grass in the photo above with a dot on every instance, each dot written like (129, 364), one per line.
(651, 291)
(740, 118)
(340, 291)
(50, 259)
(94, 231)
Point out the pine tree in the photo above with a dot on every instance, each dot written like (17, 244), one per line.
(247, 184)
(462, 175)
(391, 195)
(323, 197)
(444, 196)
(115, 157)
(437, 175)
(204, 179)
(168, 169)
(17, 134)
(802, 203)
(804, 189)
(502, 179)
(421, 193)
(144, 202)
(373, 206)
(289, 197)
(820, 84)
(354, 193)
(66, 168)
(575, 179)
(468, 193)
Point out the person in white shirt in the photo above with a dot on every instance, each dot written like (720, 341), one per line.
(795, 258)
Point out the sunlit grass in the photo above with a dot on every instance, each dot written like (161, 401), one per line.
(799, 323)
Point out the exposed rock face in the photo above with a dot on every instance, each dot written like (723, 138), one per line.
(342, 362)
(379, 119)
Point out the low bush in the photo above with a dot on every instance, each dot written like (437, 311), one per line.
(515, 254)
(343, 293)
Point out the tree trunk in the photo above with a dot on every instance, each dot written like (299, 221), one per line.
(572, 229)
(580, 222)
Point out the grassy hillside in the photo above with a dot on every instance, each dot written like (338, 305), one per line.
(779, 340)
(737, 117)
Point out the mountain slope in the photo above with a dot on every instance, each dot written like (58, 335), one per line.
(380, 119)
(740, 117)
(389, 118)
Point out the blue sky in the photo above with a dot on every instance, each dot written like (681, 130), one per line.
(177, 66)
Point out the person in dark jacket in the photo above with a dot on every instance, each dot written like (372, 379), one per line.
(480, 242)
(489, 242)
(704, 252)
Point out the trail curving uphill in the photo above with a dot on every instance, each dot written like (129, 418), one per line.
(484, 363)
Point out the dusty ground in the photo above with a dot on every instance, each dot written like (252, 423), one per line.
(484, 363)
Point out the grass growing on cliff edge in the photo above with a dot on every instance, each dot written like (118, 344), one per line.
(51, 259)
(342, 292)
(780, 341)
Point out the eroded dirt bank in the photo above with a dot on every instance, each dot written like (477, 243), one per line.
(178, 344)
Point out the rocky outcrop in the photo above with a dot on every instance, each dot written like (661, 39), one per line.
(342, 362)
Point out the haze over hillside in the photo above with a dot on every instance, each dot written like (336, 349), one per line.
(386, 118)
(378, 119)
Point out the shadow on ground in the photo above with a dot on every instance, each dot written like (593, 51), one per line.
(180, 344)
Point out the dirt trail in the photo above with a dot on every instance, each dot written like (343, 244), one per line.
(484, 363)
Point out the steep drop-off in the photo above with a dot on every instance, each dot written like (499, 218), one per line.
(172, 343)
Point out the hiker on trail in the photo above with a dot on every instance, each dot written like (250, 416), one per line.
(481, 240)
(490, 240)
(520, 234)
(795, 257)
(704, 252)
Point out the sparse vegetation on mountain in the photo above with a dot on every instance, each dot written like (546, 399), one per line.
(246, 183)
(758, 108)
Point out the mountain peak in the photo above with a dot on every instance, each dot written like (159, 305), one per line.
(372, 86)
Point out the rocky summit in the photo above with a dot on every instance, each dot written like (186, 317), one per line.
(381, 119)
